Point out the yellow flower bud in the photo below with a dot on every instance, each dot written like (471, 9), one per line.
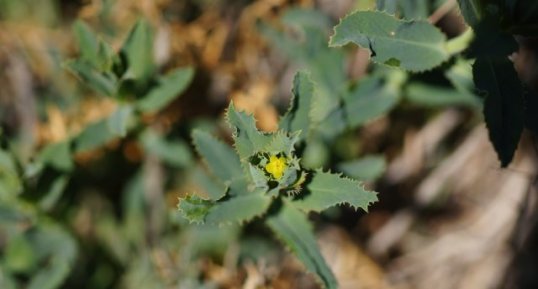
(276, 166)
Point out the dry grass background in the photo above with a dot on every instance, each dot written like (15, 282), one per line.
(462, 223)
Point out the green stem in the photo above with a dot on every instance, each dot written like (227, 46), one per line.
(460, 43)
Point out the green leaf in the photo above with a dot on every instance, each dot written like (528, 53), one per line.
(293, 228)
(367, 168)
(412, 45)
(19, 254)
(471, 11)
(93, 136)
(306, 18)
(10, 183)
(248, 140)
(103, 83)
(58, 156)
(235, 209)
(315, 155)
(460, 76)
(138, 50)
(61, 249)
(298, 115)
(87, 42)
(170, 86)
(54, 193)
(211, 187)
(326, 190)
(176, 153)
(282, 142)
(433, 96)
(220, 159)
(503, 106)
(120, 121)
(372, 98)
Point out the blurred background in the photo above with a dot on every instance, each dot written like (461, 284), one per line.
(83, 208)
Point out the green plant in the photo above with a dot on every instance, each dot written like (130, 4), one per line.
(263, 178)
(417, 46)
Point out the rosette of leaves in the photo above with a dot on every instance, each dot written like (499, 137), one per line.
(261, 177)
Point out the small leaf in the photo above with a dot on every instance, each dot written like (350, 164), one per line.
(138, 50)
(367, 168)
(460, 76)
(306, 18)
(412, 45)
(220, 159)
(54, 193)
(169, 88)
(282, 142)
(10, 183)
(101, 82)
(326, 190)
(433, 96)
(173, 152)
(503, 106)
(120, 120)
(19, 255)
(372, 98)
(93, 136)
(235, 209)
(212, 188)
(293, 228)
(87, 42)
(297, 118)
(471, 11)
(248, 140)
(58, 156)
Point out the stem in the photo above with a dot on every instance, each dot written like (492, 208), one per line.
(460, 43)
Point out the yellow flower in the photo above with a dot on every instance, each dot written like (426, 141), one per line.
(276, 166)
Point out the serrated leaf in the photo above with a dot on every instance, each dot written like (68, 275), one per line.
(282, 142)
(293, 228)
(103, 83)
(220, 159)
(412, 45)
(235, 209)
(326, 190)
(248, 140)
(58, 156)
(433, 96)
(120, 120)
(169, 87)
(503, 105)
(173, 152)
(370, 99)
(138, 50)
(367, 168)
(297, 117)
